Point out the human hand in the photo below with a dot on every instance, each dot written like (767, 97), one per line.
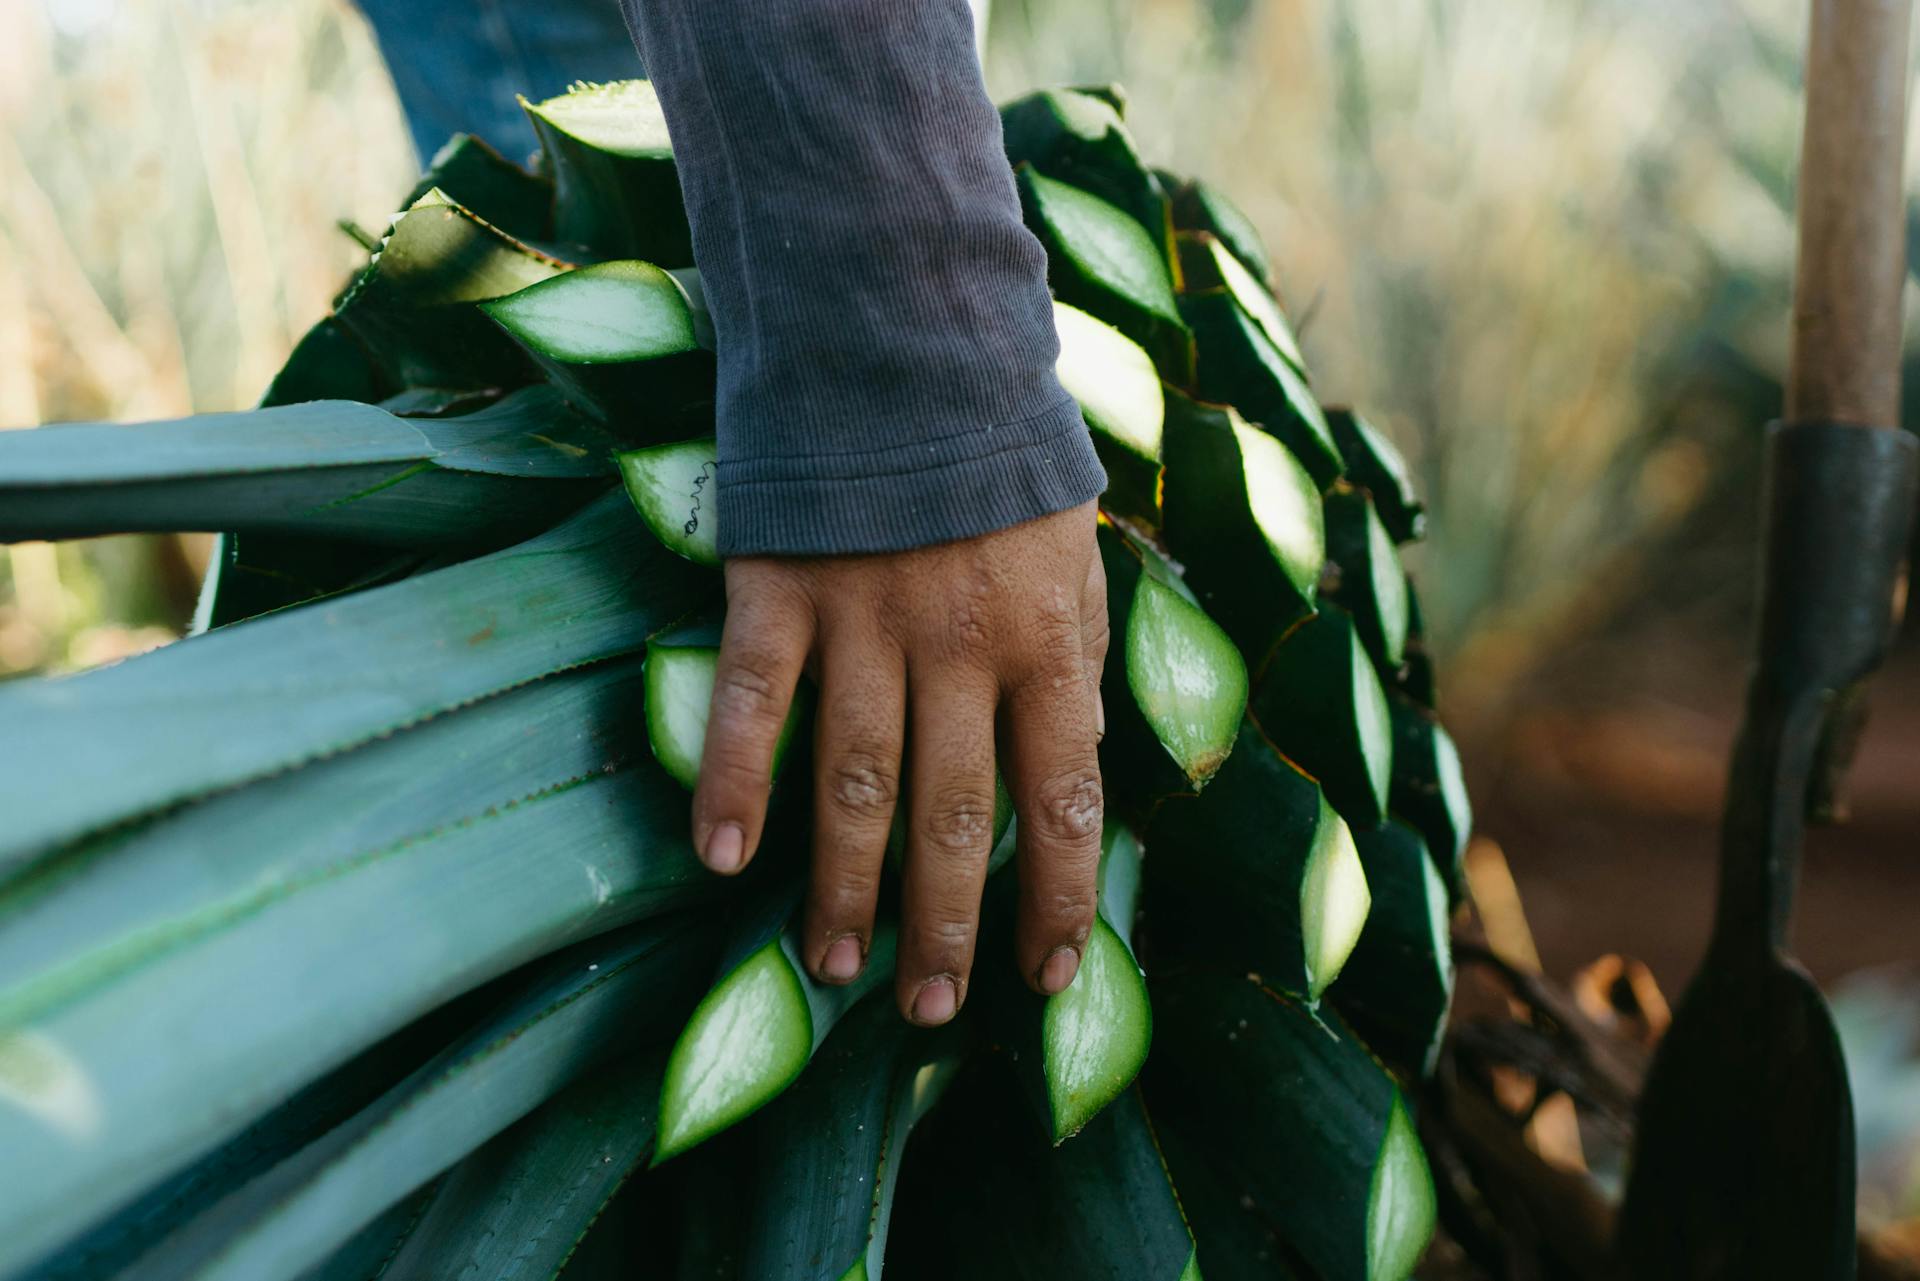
(938, 648)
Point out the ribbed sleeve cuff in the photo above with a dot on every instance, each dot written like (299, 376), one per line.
(911, 495)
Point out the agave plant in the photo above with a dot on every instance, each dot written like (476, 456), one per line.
(359, 934)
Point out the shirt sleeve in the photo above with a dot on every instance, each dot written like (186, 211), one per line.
(885, 335)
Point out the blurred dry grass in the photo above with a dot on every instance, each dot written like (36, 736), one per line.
(171, 172)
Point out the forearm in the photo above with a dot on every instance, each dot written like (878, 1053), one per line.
(886, 337)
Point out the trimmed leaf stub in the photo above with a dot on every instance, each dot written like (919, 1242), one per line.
(1078, 137)
(1206, 263)
(1100, 260)
(1322, 703)
(1372, 584)
(680, 667)
(676, 490)
(748, 1040)
(1292, 1113)
(1240, 366)
(1095, 1034)
(1258, 873)
(615, 185)
(1398, 984)
(1428, 788)
(1118, 388)
(1201, 206)
(1376, 465)
(1245, 518)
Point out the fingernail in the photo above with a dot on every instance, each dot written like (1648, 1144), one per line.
(1099, 717)
(726, 847)
(1057, 971)
(842, 961)
(935, 1003)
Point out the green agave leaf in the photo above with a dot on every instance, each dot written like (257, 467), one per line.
(615, 185)
(1398, 983)
(1258, 873)
(1101, 261)
(1375, 465)
(619, 339)
(367, 1252)
(1201, 206)
(1321, 703)
(1118, 388)
(493, 187)
(1079, 138)
(1414, 680)
(1095, 1035)
(1233, 1240)
(1428, 789)
(239, 703)
(759, 1026)
(680, 666)
(1370, 581)
(105, 1064)
(674, 489)
(330, 468)
(1245, 518)
(1174, 691)
(985, 1196)
(574, 1013)
(1294, 1116)
(412, 307)
(327, 363)
(1240, 366)
(1207, 264)
(828, 1152)
(522, 1203)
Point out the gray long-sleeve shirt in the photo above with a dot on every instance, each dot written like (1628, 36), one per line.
(886, 340)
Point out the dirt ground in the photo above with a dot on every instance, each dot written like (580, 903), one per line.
(1606, 795)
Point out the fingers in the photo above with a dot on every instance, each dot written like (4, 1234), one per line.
(950, 829)
(862, 721)
(769, 630)
(1053, 770)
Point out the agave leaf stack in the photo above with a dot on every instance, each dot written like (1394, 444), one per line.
(339, 938)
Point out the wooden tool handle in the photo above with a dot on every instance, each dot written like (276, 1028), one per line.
(1852, 257)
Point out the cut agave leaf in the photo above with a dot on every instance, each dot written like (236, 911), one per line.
(1175, 691)
(412, 307)
(984, 1196)
(1376, 465)
(754, 1032)
(1201, 206)
(1207, 264)
(575, 1012)
(1371, 582)
(1234, 1241)
(1079, 138)
(1295, 1115)
(1321, 703)
(615, 185)
(1415, 677)
(1240, 366)
(675, 489)
(1429, 791)
(1258, 873)
(681, 661)
(1244, 517)
(1398, 983)
(1100, 260)
(590, 589)
(105, 1062)
(829, 1151)
(1095, 1035)
(524, 1201)
(618, 338)
(493, 187)
(1118, 388)
(327, 363)
(326, 468)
